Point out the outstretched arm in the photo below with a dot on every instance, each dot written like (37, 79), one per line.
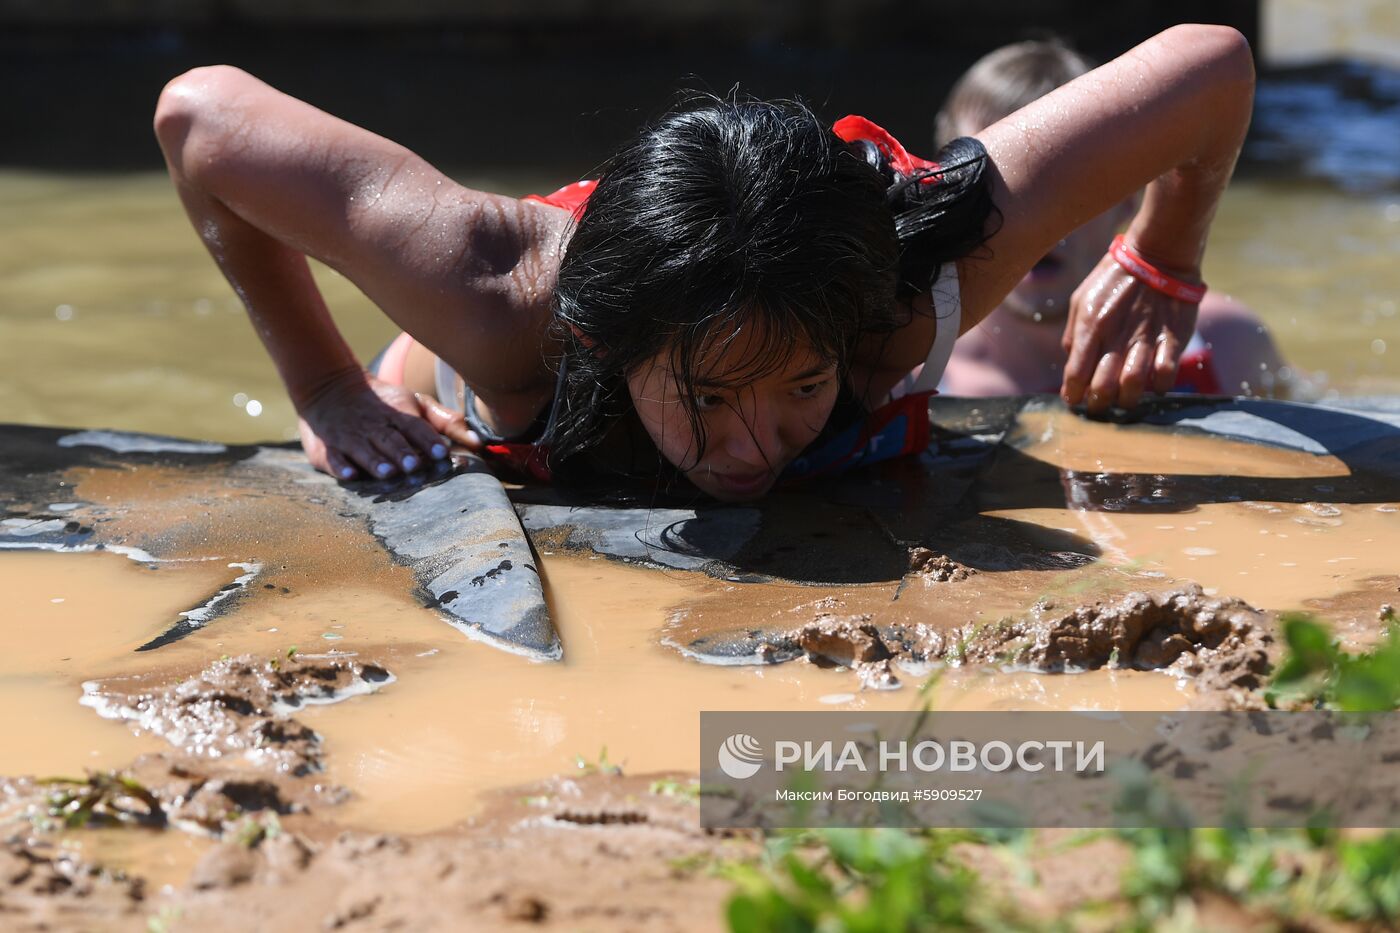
(1170, 114)
(268, 180)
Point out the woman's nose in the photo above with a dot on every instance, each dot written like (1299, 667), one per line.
(753, 437)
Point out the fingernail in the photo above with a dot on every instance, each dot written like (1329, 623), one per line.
(410, 463)
(473, 437)
(439, 451)
(384, 469)
(347, 472)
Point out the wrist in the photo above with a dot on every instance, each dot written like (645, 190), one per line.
(1186, 267)
(1170, 228)
(348, 379)
(1164, 279)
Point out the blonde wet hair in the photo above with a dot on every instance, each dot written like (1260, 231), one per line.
(1004, 81)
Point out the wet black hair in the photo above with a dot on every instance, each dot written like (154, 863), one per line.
(733, 210)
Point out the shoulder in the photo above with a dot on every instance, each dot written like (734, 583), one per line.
(978, 379)
(1221, 309)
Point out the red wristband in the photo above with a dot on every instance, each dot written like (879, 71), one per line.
(1154, 278)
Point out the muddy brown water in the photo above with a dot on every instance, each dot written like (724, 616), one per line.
(462, 717)
(1275, 555)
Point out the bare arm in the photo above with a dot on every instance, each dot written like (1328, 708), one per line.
(268, 180)
(1170, 114)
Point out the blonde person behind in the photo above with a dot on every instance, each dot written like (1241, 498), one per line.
(1022, 345)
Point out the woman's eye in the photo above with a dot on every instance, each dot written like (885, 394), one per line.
(810, 390)
(708, 402)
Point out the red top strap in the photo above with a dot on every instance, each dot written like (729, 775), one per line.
(571, 197)
(574, 197)
(855, 128)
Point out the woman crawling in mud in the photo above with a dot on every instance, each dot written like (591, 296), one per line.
(746, 295)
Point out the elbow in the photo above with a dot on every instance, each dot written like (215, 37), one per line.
(191, 107)
(1216, 68)
(1222, 50)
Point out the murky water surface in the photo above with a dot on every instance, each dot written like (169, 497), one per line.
(462, 716)
(1275, 555)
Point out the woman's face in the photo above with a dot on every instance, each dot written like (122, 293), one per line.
(753, 427)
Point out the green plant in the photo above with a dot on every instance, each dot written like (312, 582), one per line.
(163, 921)
(670, 787)
(102, 797)
(1316, 673)
(252, 831)
(601, 766)
(861, 880)
(1291, 874)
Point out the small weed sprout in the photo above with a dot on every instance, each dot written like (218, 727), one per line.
(601, 766)
(670, 787)
(251, 831)
(103, 797)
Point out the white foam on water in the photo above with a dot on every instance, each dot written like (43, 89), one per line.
(205, 612)
(24, 527)
(124, 443)
(135, 553)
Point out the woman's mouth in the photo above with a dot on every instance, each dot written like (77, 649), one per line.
(743, 484)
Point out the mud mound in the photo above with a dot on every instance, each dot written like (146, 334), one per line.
(849, 641)
(1180, 629)
(239, 706)
(937, 568)
(1224, 644)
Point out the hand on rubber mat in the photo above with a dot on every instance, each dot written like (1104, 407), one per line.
(364, 427)
(1123, 339)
